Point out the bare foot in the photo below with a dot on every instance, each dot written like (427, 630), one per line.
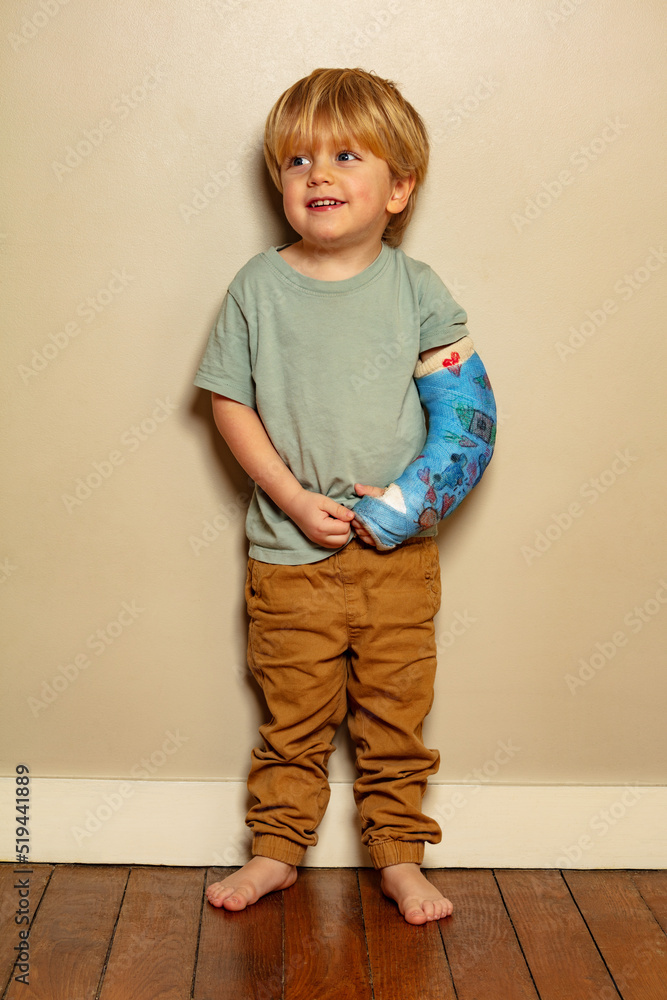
(248, 884)
(417, 899)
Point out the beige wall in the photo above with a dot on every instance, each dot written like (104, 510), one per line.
(545, 205)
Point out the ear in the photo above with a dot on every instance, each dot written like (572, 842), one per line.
(403, 188)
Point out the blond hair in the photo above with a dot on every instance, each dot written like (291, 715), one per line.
(355, 105)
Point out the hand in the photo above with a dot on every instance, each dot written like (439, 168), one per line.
(365, 491)
(320, 518)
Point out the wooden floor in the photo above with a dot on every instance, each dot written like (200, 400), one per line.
(146, 933)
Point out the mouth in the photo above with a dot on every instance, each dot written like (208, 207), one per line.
(324, 204)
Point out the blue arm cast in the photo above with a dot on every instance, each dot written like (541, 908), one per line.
(455, 391)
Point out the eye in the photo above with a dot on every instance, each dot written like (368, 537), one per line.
(297, 161)
(347, 153)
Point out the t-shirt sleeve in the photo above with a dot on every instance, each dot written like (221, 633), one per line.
(442, 320)
(226, 366)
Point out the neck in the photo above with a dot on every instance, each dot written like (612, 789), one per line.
(330, 264)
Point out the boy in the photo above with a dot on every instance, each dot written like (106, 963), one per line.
(311, 366)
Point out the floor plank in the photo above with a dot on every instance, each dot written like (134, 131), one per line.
(10, 875)
(556, 942)
(240, 954)
(325, 946)
(483, 953)
(71, 932)
(112, 932)
(155, 944)
(407, 961)
(629, 937)
(653, 887)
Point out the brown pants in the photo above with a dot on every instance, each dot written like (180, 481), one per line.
(354, 633)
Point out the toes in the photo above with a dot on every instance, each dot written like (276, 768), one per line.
(445, 909)
(413, 911)
(221, 895)
(424, 911)
(217, 898)
(235, 902)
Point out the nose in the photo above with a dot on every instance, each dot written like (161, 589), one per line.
(320, 172)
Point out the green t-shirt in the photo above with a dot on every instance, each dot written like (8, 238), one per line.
(328, 365)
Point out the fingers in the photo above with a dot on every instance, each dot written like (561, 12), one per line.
(362, 532)
(334, 530)
(337, 510)
(334, 541)
(367, 539)
(368, 491)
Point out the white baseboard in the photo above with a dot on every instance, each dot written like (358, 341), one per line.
(201, 823)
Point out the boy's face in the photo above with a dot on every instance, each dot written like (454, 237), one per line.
(339, 197)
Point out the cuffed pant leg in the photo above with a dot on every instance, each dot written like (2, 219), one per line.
(278, 848)
(396, 852)
(296, 652)
(390, 692)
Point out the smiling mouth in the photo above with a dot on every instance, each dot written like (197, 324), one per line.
(324, 203)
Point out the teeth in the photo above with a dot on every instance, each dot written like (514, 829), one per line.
(324, 201)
